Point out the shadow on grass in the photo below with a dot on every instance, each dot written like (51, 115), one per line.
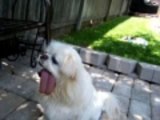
(87, 36)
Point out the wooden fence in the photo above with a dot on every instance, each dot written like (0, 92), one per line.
(66, 12)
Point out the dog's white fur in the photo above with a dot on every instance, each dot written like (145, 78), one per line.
(75, 97)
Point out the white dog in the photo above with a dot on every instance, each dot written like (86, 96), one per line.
(67, 89)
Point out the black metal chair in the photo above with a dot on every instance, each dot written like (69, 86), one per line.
(12, 31)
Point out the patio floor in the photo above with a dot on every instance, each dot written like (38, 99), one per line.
(140, 100)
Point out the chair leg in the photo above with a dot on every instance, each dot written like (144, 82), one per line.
(0, 64)
(34, 56)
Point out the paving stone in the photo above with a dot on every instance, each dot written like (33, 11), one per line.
(109, 74)
(26, 111)
(23, 71)
(125, 80)
(155, 102)
(120, 64)
(123, 86)
(122, 90)
(5, 69)
(15, 63)
(96, 73)
(27, 89)
(133, 75)
(156, 75)
(8, 103)
(140, 110)
(22, 60)
(124, 103)
(142, 85)
(141, 91)
(155, 94)
(93, 57)
(19, 69)
(104, 84)
(11, 83)
(105, 81)
(155, 99)
(155, 89)
(5, 76)
(156, 112)
(141, 96)
(19, 86)
(137, 117)
(145, 71)
(96, 70)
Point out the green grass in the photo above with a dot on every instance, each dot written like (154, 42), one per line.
(107, 38)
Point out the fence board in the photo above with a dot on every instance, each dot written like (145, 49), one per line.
(124, 6)
(115, 8)
(95, 9)
(1, 8)
(65, 12)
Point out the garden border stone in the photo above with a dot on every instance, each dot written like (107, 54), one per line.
(149, 72)
(144, 71)
(94, 58)
(120, 64)
(156, 75)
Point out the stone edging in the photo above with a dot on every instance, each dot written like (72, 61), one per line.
(144, 71)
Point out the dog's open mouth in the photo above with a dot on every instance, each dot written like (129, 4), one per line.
(47, 82)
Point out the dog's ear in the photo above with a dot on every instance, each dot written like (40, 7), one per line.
(69, 66)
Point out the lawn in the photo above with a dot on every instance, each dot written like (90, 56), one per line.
(107, 37)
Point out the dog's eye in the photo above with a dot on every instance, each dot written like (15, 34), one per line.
(54, 60)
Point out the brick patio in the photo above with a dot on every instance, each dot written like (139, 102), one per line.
(139, 99)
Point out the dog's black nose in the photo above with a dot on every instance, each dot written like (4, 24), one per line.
(44, 57)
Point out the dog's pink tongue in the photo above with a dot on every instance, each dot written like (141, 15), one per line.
(47, 82)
